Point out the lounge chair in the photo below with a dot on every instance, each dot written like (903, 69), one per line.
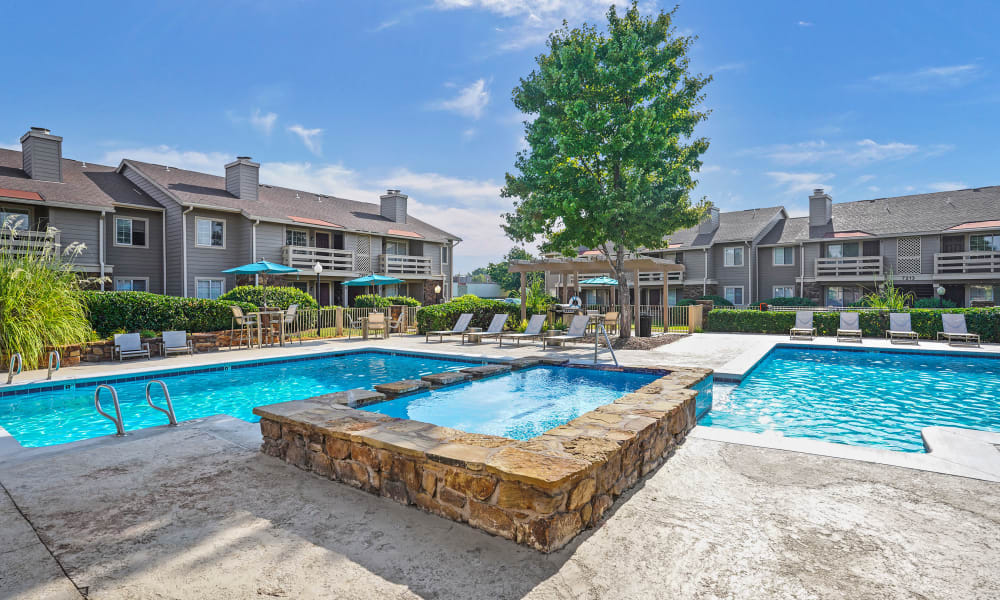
(803, 329)
(532, 331)
(577, 331)
(460, 327)
(900, 329)
(129, 345)
(176, 342)
(494, 330)
(956, 331)
(611, 322)
(850, 327)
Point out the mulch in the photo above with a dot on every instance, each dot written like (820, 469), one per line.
(638, 343)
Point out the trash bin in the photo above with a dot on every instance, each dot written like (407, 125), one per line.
(645, 328)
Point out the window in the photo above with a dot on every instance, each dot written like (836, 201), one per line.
(130, 232)
(209, 288)
(444, 255)
(842, 250)
(783, 291)
(734, 256)
(296, 237)
(132, 284)
(389, 291)
(14, 218)
(211, 233)
(984, 243)
(842, 296)
(784, 256)
(734, 294)
(396, 247)
(981, 292)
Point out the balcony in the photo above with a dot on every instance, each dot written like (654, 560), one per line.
(961, 263)
(657, 277)
(855, 266)
(304, 257)
(394, 264)
(29, 242)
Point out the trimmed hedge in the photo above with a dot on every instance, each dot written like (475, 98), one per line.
(280, 296)
(371, 301)
(926, 322)
(790, 301)
(402, 301)
(437, 317)
(109, 312)
(934, 303)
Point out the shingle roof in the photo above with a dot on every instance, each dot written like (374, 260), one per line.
(281, 204)
(787, 231)
(736, 226)
(91, 186)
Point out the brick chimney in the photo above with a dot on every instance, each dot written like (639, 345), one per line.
(41, 154)
(711, 221)
(820, 208)
(243, 178)
(394, 206)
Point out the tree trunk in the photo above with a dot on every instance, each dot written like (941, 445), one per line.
(625, 314)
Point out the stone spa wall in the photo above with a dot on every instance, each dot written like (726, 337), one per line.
(540, 492)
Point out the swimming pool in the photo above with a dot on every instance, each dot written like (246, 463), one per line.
(44, 418)
(868, 398)
(520, 405)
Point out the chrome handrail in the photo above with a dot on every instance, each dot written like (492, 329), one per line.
(169, 411)
(607, 340)
(10, 370)
(119, 424)
(58, 358)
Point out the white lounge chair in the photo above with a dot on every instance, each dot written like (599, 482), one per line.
(494, 330)
(850, 327)
(576, 332)
(956, 331)
(532, 331)
(803, 329)
(900, 330)
(460, 327)
(176, 342)
(129, 345)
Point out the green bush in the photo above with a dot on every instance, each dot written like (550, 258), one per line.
(790, 301)
(686, 302)
(437, 317)
(934, 303)
(926, 322)
(718, 300)
(371, 301)
(109, 312)
(282, 297)
(403, 301)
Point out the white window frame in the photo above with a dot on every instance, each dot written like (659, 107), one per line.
(982, 235)
(405, 243)
(987, 288)
(18, 209)
(774, 256)
(210, 219)
(221, 280)
(296, 229)
(734, 287)
(131, 231)
(790, 288)
(725, 256)
(444, 255)
(132, 279)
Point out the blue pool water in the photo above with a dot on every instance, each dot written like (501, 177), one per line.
(520, 405)
(867, 398)
(56, 417)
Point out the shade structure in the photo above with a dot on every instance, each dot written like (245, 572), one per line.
(261, 266)
(372, 280)
(599, 281)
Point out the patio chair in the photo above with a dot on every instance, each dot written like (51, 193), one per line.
(290, 324)
(611, 322)
(803, 329)
(850, 327)
(354, 323)
(577, 331)
(176, 342)
(532, 331)
(900, 330)
(460, 327)
(377, 322)
(129, 345)
(494, 330)
(955, 330)
(246, 323)
(400, 325)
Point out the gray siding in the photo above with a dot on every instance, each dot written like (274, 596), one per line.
(210, 262)
(433, 251)
(242, 181)
(270, 239)
(137, 261)
(770, 275)
(929, 246)
(172, 213)
(810, 252)
(889, 255)
(79, 226)
(42, 158)
(731, 276)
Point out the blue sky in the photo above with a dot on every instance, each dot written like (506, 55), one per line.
(867, 99)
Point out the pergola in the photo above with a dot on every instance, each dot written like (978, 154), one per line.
(594, 264)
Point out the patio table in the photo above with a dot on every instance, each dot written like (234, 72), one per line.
(269, 316)
(364, 330)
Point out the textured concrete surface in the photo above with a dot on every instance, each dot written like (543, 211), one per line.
(198, 512)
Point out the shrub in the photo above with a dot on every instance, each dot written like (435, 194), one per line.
(282, 297)
(371, 301)
(790, 301)
(444, 316)
(934, 303)
(686, 302)
(403, 301)
(109, 312)
(717, 300)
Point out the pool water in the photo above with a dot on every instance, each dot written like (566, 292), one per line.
(866, 398)
(56, 417)
(520, 405)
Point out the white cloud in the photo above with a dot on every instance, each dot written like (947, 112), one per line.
(864, 178)
(13, 145)
(309, 137)
(206, 162)
(470, 102)
(794, 183)
(263, 122)
(871, 151)
(467, 192)
(469, 133)
(857, 153)
(735, 66)
(384, 25)
(947, 186)
(804, 24)
(929, 78)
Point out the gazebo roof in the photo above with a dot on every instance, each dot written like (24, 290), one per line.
(592, 264)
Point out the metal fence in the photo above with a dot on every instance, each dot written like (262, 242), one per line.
(323, 322)
(678, 315)
(811, 308)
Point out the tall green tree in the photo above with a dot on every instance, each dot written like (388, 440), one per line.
(511, 282)
(611, 148)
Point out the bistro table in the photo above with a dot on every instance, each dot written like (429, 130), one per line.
(475, 335)
(272, 316)
(364, 329)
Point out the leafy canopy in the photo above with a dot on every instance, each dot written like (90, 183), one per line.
(611, 149)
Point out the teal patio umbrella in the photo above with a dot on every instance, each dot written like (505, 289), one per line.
(372, 280)
(261, 266)
(602, 280)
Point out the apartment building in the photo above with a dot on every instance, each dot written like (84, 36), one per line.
(161, 229)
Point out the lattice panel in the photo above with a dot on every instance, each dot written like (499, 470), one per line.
(908, 255)
(362, 260)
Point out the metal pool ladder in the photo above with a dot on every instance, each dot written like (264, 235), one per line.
(119, 425)
(169, 411)
(10, 370)
(607, 340)
(54, 354)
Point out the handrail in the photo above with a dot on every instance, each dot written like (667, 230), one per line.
(10, 370)
(119, 424)
(607, 340)
(58, 362)
(170, 407)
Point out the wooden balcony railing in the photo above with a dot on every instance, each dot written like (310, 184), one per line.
(854, 266)
(394, 264)
(967, 262)
(29, 242)
(304, 257)
(657, 277)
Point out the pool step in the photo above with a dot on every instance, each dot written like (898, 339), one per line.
(447, 378)
(400, 388)
(486, 370)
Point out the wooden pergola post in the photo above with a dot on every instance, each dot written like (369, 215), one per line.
(666, 303)
(524, 296)
(638, 298)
